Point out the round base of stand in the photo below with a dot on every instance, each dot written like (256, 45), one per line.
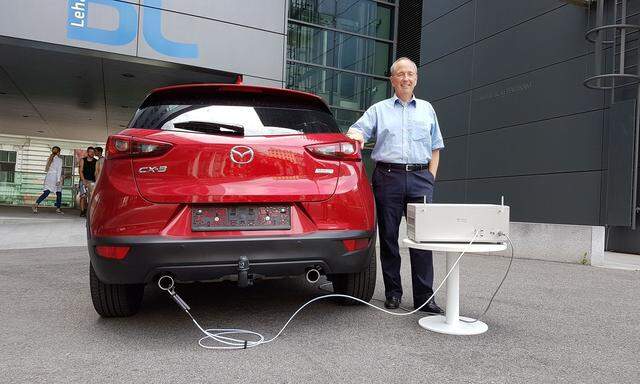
(439, 324)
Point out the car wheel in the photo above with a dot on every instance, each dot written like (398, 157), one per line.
(360, 285)
(114, 300)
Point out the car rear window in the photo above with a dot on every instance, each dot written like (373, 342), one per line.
(246, 113)
(254, 121)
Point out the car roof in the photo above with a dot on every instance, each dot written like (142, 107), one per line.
(289, 97)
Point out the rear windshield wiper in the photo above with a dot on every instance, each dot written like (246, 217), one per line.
(212, 128)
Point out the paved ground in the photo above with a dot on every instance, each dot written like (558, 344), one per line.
(21, 229)
(552, 323)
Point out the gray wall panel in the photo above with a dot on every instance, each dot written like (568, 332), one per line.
(118, 27)
(550, 92)
(449, 192)
(47, 21)
(434, 46)
(453, 159)
(572, 143)
(445, 77)
(568, 198)
(264, 14)
(453, 114)
(553, 37)
(432, 9)
(250, 80)
(524, 125)
(622, 164)
(496, 15)
(222, 46)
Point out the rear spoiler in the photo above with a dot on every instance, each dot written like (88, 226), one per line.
(234, 94)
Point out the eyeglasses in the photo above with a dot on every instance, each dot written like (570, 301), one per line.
(410, 75)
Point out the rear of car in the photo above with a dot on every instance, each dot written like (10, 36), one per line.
(215, 182)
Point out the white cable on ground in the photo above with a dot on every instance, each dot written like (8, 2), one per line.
(506, 273)
(222, 335)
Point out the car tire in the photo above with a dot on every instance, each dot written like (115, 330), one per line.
(114, 300)
(360, 285)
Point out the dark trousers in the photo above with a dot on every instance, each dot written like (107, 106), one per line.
(393, 189)
(46, 193)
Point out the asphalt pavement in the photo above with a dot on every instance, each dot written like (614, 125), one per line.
(552, 322)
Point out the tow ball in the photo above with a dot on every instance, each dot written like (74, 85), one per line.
(244, 279)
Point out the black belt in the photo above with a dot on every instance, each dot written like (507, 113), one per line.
(404, 167)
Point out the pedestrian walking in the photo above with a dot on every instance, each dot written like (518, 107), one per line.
(52, 181)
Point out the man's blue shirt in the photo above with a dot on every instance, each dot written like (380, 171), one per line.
(405, 133)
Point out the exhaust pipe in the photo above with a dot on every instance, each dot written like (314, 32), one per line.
(166, 283)
(312, 275)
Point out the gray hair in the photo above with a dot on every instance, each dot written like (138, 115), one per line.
(392, 69)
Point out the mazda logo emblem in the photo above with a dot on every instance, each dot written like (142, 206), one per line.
(241, 154)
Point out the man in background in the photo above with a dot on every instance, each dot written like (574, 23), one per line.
(100, 163)
(87, 171)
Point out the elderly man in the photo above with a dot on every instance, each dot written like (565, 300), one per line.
(407, 152)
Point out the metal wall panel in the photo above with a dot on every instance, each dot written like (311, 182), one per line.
(445, 77)
(623, 240)
(48, 21)
(432, 9)
(568, 198)
(453, 114)
(622, 164)
(239, 36)
(449, 191)
(222, 46)
(264, 14)
(550, 92)
(567, 144)
(497, 15)
(550, 38)
(435, 46)
(523, 125)
(453, 159)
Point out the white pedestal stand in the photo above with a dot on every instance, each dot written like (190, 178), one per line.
(451, 324)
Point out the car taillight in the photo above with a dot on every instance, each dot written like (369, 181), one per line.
(355, 244)
(117, 252)
(126, 146)
(344, 150)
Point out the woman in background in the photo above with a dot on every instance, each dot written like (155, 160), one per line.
(53, 180)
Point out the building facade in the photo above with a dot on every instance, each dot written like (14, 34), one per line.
(512, 82)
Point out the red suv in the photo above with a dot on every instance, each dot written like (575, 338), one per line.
(218, 182)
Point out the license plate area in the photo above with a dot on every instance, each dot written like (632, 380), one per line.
(240, 217)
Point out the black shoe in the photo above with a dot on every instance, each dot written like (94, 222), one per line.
(83, 213)
(431, 307)
(392, 303)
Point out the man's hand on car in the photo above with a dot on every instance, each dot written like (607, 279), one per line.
(355, 134)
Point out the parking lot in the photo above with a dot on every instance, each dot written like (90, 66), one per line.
(552, 322)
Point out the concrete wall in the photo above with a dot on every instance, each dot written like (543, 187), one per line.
(239, 36)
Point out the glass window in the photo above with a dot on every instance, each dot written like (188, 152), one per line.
(340, 89)
(359, 16)
(345, 118)
(67, 170)
(339, 50)
(236, 120)
(7, 166)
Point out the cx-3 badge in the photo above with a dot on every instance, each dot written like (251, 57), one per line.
(160, 169)
(241, 154)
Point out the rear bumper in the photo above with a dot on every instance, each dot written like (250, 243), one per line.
(209, 259)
